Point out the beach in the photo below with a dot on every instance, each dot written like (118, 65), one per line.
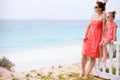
(59, 72)
(52, 72)
(36, 58)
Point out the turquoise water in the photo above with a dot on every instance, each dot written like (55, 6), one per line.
(24, 35)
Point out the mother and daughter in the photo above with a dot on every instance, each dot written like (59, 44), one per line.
(100, 31)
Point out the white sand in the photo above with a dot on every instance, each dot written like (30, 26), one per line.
(32, 74)
(36, 58)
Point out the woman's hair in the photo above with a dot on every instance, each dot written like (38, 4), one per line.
(112, 13)
(101, 5)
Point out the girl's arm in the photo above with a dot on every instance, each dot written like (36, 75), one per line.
(114, 34)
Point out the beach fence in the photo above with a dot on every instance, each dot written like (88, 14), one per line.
(110, 69)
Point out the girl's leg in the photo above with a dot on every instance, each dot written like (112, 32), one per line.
(84, 60)
(101, 50)
(90, 67)
(105, 56)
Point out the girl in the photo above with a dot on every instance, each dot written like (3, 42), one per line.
(110, 35)
(93, 35)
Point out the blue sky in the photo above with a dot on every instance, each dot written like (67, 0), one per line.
(52, 9)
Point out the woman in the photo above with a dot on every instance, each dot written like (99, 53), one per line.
(93, 37)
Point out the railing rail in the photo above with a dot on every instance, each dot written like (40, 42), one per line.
(111, 68)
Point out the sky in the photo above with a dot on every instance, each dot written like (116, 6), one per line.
(52, 9)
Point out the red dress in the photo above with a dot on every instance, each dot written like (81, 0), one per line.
(91, 45)
(110, 29)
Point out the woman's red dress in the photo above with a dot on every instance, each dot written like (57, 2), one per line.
(91, 45)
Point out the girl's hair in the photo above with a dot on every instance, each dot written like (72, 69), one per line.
(101, 5)
(112, 13)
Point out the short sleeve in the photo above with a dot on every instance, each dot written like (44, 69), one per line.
(115, 25)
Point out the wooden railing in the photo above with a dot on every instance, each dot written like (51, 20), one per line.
(111, 68)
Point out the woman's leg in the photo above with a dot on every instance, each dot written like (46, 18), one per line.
(90, 67)
(101, 50)
(105, 56)
(84, 60)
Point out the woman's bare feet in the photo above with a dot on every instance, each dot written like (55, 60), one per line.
(82, 74)
(86, 76)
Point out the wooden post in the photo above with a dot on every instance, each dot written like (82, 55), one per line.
(97, 64)
(117, 60)
(104, 67)
(110, 51)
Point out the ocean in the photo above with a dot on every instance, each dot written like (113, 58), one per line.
(28, 34)
(23, 35)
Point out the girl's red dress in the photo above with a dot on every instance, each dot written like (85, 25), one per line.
(110, 30)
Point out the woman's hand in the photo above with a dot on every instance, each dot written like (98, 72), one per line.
(85, 38)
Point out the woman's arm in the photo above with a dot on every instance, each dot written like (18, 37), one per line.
(105, 30)
(104, 25)
(87, 29)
